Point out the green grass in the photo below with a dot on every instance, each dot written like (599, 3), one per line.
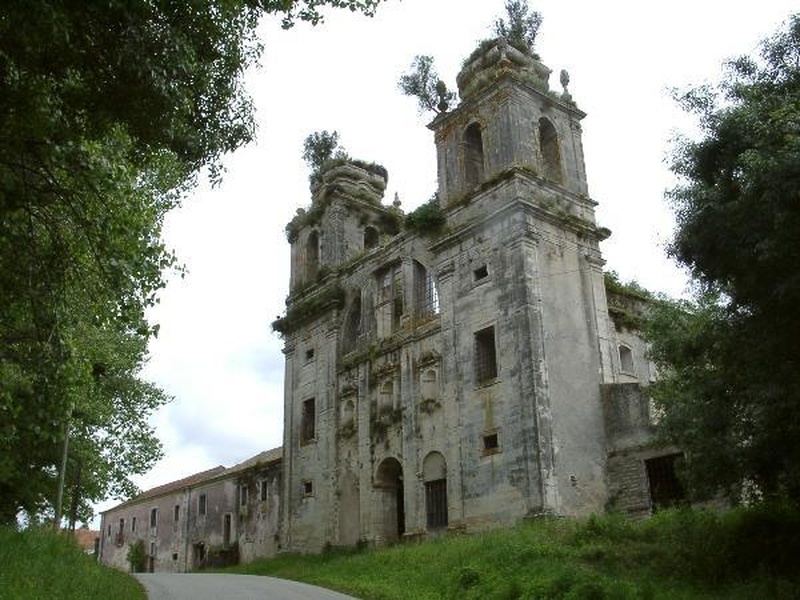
(38, 564)
(676, 555)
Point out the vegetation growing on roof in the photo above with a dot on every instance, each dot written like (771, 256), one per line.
(426, 219)
(330, 297)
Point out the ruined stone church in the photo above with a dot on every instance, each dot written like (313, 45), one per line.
(460, 368)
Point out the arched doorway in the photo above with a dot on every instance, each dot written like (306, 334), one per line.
(391, 508)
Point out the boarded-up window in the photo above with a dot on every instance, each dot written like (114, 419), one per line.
(436, 503)
(429, 388)
(308, 421)
(485, 356)
(665, 488)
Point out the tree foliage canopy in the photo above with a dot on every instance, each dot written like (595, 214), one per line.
(107, 113)
(422, 82)
(731, 361)
(522, 25)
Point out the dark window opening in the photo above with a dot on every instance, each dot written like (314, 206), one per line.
(133, 525)
(176, 513)
(263, 490)
(491, 443)
(201, 504)
(665, 488)
(309, 355)
(307, 422)
(481, 272)
(243, 494)
(436, 503)
(312, 254)
(548, 146)
(308, 488)
(174, 556)
(153, 517)
(370, 238)
(485, 356)
(473, 154)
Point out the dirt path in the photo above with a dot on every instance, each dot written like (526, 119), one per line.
(214, 586)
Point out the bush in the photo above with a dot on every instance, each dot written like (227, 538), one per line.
(137, 558)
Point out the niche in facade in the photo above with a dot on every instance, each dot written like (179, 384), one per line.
(370, 238)
(312, 254)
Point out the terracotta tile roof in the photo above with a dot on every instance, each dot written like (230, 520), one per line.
(262, 458)
(86, 538)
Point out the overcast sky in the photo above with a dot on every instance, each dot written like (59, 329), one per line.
(216, 353)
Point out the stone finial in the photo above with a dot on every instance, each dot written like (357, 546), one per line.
(396, 202)
(564, 78)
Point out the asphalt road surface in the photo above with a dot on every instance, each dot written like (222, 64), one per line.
(214, 586)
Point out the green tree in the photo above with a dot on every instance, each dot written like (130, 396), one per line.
(422, 82)
(319, 147)
(108, 111)
(522, 25)
(731, 360)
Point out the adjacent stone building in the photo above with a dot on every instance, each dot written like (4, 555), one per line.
(220, 516)
(459, 368)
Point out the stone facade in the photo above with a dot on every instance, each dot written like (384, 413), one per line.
(457, 370)
(459, 377)
(216, 517)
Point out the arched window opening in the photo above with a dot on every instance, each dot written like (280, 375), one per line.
(434, 474)
(312, 254)
(426, 295)
(548, 146)
(391, 499)
(370, 238)
(429, 389)
(473, 154)
(625, 359)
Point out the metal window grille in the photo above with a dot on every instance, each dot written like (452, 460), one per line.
(665, 487)
(307, 425)
(427, 296)
(485, 355)
(436, 503)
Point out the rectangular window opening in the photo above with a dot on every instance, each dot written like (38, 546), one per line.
(309, 355)
(133, 525)
(177, 513)
(243, 494)
(201, 504)
(665, 488)
(485, 356)
(481, 272)
(307, 422)
(308, 488)
(491, 443)
(153, 518)
(263, 490)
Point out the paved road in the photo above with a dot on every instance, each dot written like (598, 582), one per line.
(215, 586)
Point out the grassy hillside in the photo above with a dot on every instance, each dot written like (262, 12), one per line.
(41, 565)
(675, 555)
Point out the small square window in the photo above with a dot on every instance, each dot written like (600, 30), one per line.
(481, 272)
(309, 355)
(174, 556)
(308, 488)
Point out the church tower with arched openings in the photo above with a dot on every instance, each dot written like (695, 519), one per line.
(458, 368)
